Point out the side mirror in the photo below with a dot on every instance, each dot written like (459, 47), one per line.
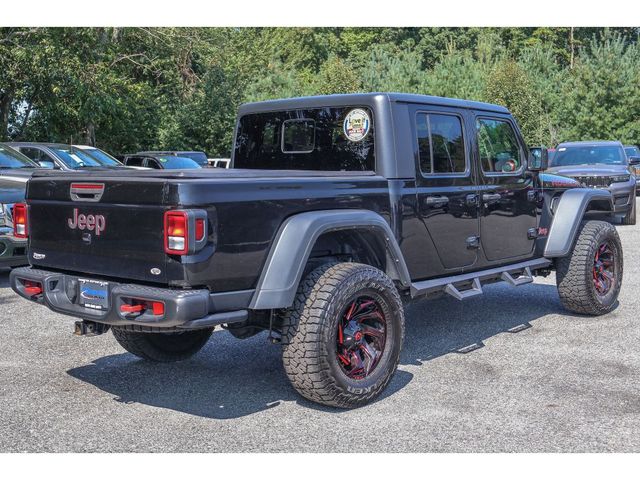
(634, 161)
(46, 164)
(538, 159)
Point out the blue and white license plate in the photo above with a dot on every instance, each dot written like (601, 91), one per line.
(94, 294)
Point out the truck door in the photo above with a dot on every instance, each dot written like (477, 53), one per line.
(446, 188)
(508, 217)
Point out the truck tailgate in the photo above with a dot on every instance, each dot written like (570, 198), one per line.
(108, 227)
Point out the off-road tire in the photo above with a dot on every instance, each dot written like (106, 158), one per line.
(630, 218)
(575, 276)
(162, 347)
(310, 334)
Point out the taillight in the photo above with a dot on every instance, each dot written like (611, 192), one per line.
(20, 225)
(200, 231)
(185, 231)
(176, 234)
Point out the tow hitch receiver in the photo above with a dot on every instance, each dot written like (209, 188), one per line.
(86, 328)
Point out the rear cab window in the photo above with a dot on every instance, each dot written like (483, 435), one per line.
(323, 139)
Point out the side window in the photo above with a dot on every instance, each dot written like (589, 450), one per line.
(133, 162)
(499, 148)
(440, 143)
(298, 136)
(38, 156)
(151, 163)
(32, 153)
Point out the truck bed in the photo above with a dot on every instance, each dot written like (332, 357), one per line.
(244, 207)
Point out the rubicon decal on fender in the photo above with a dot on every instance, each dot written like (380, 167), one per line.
(89, 222)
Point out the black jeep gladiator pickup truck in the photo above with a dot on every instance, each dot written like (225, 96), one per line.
(336, 209)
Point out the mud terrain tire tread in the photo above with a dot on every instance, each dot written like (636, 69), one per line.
(308, 332)
(574, 275)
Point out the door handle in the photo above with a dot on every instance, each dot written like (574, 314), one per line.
(437, 201)
(491, 197)
(472, 200)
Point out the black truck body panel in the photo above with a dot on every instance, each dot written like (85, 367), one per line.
(247, 209)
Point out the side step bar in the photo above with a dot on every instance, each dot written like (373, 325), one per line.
(462, 294)
(504, 273)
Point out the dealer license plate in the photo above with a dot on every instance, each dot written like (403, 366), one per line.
(94, 294)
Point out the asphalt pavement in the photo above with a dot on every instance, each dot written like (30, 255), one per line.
(507, 371)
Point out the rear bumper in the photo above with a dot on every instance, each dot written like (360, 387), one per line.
(184, 309)
(12, 251)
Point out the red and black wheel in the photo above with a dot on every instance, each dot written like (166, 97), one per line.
(590, 277)
(361, 338)
(342, 337)
(604, 269)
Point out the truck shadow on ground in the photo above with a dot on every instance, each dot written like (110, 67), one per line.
(231, 378)
(4, 277)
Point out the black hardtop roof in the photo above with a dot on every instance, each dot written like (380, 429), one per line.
(365, 98)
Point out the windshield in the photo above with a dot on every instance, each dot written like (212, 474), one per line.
(100, 156)
(199, 157)
(589, 155)
(176, 163)
(326, 139)
(632, 151)
(75, 158)
(10, 158)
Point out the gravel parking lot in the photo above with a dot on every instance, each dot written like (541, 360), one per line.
(539, 379)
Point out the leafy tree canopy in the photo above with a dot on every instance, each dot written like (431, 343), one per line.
(125, 89)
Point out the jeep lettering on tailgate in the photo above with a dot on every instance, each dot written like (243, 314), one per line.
(90, 222)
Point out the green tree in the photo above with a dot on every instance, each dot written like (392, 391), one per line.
(509, 85)
(395, 72)
(336, 76)
(458, 75)
(602, 93)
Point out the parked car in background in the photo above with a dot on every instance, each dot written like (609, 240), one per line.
(633, 154)
(99, 155)
(219, 162)
(632, 151)
(199, 157)
(12, 160)
(159, 161)
(603, 165)
(12, 248)
(552, 154)
(58, 156)
(15, 170)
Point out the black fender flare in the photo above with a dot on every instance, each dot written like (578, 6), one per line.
(569, 214)
(294, 242)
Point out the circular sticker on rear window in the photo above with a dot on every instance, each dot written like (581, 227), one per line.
(356, 124)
